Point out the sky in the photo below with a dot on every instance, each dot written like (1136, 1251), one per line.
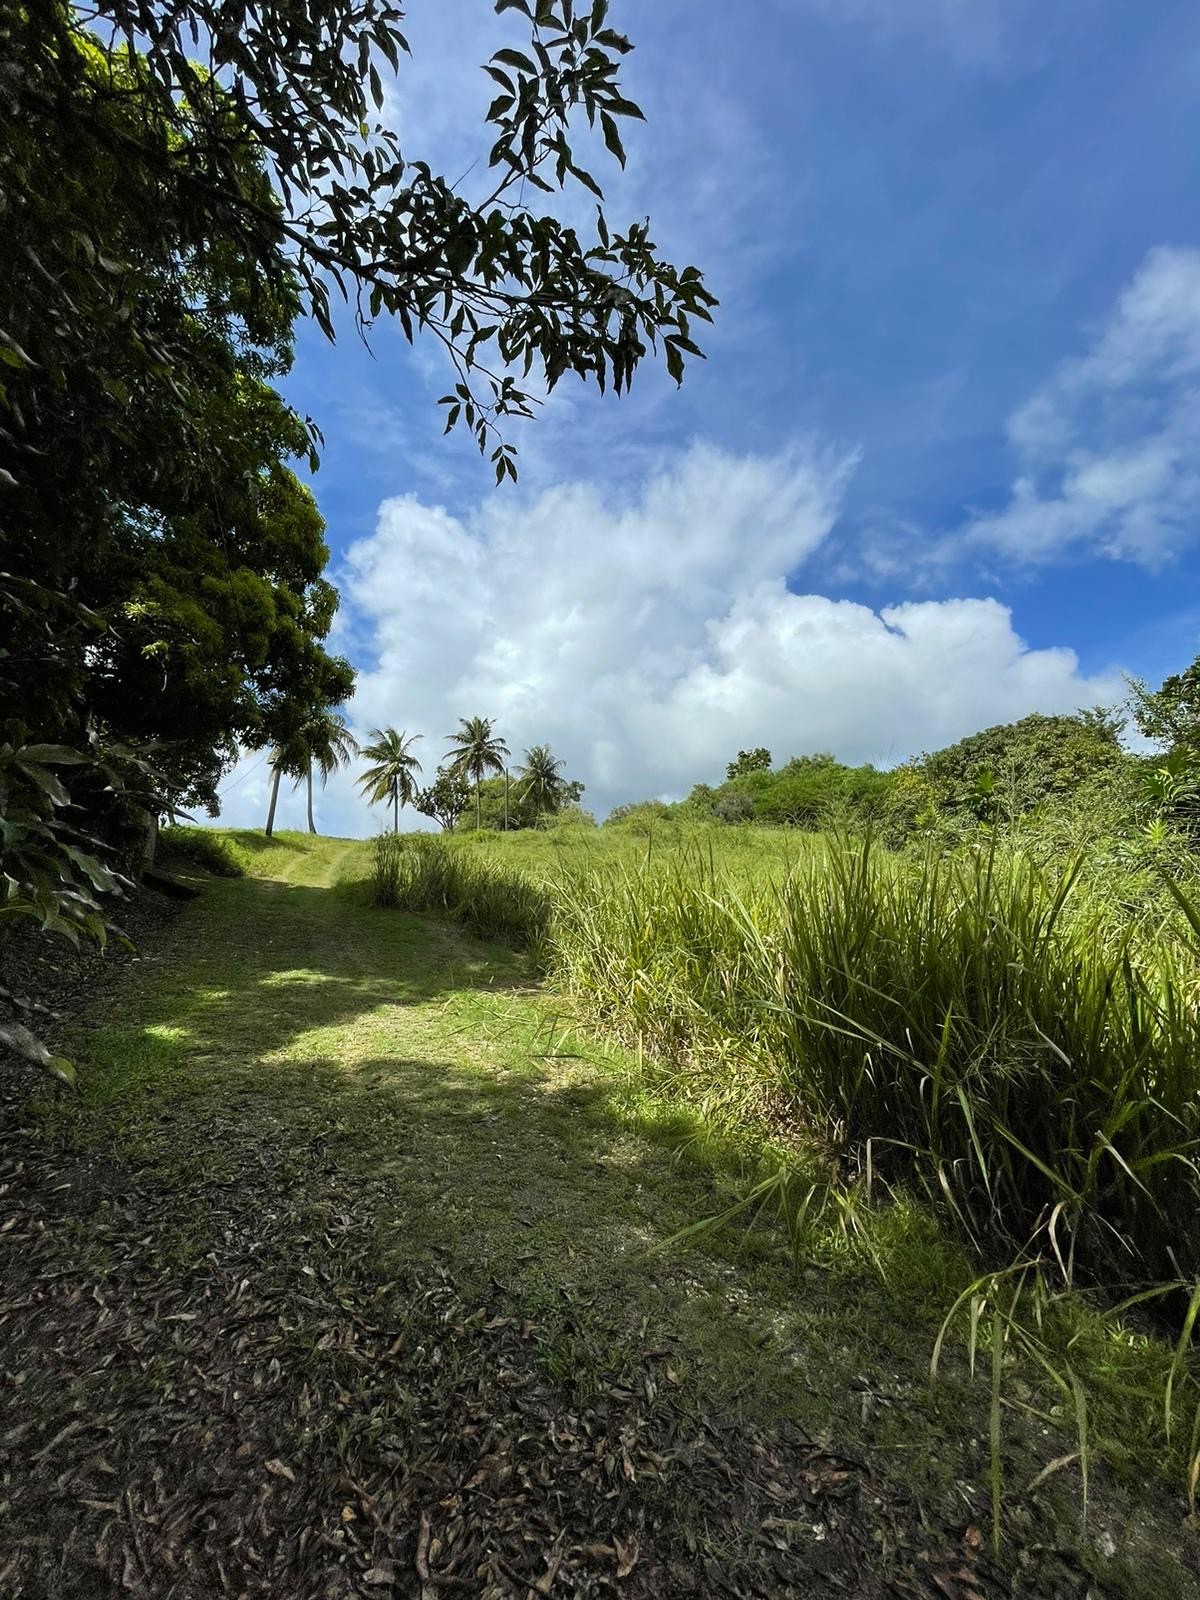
(938, 471)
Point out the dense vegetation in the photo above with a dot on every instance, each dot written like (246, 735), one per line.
(1028, 771)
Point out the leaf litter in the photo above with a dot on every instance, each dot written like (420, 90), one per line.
(250, 1411)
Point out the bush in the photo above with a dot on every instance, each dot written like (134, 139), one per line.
(203, 848)
(735, 807)
(640, 816)
(571, 816)
(1002, 773)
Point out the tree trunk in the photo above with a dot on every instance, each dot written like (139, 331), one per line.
(478, 813)
(395, 811)
(506, 799)
(312, 827)
(274, 799)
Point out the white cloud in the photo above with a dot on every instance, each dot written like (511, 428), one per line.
(649, 638)
(1107, 447)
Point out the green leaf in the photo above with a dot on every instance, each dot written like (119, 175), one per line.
(16, 1036)
(514, 58)
(45, 781)
(612, 138)
(55, 755)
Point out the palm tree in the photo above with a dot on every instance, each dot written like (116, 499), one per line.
(391, 778)
(282, 759)
(476, 752)
(327, 744)
(541, 774)
(323, 740)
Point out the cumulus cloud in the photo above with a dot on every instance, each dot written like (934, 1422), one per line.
(648, 638)
(1107, 446)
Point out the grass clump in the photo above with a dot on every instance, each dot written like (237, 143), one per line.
(417, 873)
(205, 848)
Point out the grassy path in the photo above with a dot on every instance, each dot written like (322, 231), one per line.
(345, 1275)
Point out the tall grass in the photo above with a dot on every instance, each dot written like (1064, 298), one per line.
(960, 1022)
(416, 873)
(968, 1024)
(972, 1027)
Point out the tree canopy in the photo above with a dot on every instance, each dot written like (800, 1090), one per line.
(391, 779)
(143, 450)
(446, 798)
(187, 104)
(1170, 714)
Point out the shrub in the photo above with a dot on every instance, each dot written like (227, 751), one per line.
(201, 847)
(1005, 771)
(640, 816)
(734, 807)
(571, 818)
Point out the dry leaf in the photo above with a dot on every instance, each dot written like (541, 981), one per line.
(627, 1556)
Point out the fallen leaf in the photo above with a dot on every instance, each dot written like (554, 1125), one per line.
(627, 1556)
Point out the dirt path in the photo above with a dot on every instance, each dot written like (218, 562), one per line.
(340, 1277)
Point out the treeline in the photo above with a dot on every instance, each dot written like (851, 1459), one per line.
(478, 765)
(1069, 778)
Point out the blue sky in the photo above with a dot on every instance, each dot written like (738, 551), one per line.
(940, 468)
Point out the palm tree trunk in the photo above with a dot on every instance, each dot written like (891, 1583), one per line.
(395, 811)
(312, 827)
(274, 799)
(506, 799)
(478, 822)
